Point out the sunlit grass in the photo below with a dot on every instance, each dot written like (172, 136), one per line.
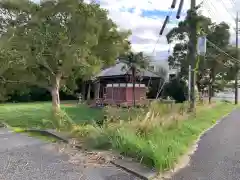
(32, 115)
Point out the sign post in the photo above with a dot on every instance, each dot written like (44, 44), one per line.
(202, 45)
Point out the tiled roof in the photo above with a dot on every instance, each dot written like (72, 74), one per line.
(119, 69)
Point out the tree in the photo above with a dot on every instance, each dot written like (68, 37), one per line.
(135, 63)
(213, 63)
(177, 89)
(60, 40)
(9, 65)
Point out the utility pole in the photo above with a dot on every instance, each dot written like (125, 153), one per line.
(192, 54)
(189, 83)
(236, 64)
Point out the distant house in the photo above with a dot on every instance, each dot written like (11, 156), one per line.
(117, 75)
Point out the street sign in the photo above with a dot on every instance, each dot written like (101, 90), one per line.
(202, 46)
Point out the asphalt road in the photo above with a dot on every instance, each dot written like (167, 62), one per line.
(27, 158)
(218, 153)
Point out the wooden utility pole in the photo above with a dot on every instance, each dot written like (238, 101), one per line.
(189, 83)
(192, 53)
(236, 64)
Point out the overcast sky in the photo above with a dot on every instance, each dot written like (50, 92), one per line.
(145, 18)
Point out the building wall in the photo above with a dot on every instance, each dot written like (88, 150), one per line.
(163, 63)
(124, 94)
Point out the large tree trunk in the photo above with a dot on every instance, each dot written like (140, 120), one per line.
(55, 95)
(134, 83)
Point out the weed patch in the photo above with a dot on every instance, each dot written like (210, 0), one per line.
(157, 139)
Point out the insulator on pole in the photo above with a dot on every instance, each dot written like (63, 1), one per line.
(173, 4)
(179, 9)
(164, 25)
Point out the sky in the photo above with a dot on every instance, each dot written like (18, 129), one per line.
(145, 18)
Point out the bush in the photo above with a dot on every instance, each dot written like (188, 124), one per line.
(61, 122)
(177, 89)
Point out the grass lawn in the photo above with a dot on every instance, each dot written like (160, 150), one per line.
(32, 114)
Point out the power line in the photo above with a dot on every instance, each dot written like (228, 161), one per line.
(161, 31)
(209, 4)
(227, 10)
(226, 65)
(233, 2)
(164, 82)
(220, 50)
(175, 63)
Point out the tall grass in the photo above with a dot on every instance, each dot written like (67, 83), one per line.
(160, 136)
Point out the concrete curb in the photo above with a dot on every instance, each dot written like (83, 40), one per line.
(47, 133)
(55, 134)
(129, 171)
(52, 133)
(137, 169)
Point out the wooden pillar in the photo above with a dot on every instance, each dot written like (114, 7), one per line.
(83, 91)
(112, 94)
(119, 93)
(97, 90)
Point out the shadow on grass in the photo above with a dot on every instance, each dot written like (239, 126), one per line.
(83, 114)
(39, 135)
(32, 115)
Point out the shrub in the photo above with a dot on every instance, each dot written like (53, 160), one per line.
(61, 122)
(177, 89)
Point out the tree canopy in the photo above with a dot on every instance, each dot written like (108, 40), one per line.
(215, 64)
(57, 41)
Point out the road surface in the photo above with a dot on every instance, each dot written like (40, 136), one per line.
(218, 153)
(28, 158)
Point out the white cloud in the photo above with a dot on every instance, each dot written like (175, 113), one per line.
(145, 29)
(128, 15)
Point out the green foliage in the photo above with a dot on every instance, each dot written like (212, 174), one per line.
(177, 89)
(9, 66)
(59, 41)
(213, 66)
(137, 61)
(61, 122)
